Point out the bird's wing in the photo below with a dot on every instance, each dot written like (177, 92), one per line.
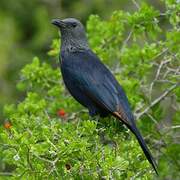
(106, 95)
(98, 83)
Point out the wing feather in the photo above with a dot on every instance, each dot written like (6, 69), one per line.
(97, 82)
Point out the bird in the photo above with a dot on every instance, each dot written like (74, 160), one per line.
(91, 83)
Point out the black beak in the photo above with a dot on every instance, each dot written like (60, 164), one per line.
(59, 23)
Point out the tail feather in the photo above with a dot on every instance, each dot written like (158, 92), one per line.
(140, 139)
(144, 147)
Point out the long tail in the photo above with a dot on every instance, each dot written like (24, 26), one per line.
(143, 146)
(140, 139)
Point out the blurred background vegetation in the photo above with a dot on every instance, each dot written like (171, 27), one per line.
(25, 31)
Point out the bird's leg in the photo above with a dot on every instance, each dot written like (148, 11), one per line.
(100, 128)
(102, 134)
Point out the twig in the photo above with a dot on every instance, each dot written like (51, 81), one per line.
(126, 40)
(29, 159)
(138, 108)
(44, 159)
(138, 116)
(173, 127)
(6, 174)
(136, 4)
(54, 167)
(128, 37)
(156, 56)
(176, 71)
(153, 119)
(165, 81)
(171, 70)
(48, 140)
(157, 75)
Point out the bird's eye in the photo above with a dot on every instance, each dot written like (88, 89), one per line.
(74, 25)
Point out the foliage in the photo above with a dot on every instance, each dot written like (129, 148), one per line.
(50, 135)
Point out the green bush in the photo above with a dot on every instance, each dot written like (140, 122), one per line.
(50, 135)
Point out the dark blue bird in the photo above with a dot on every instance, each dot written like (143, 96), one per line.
(90, 82)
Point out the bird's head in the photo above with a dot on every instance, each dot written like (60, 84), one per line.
(72, 33)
